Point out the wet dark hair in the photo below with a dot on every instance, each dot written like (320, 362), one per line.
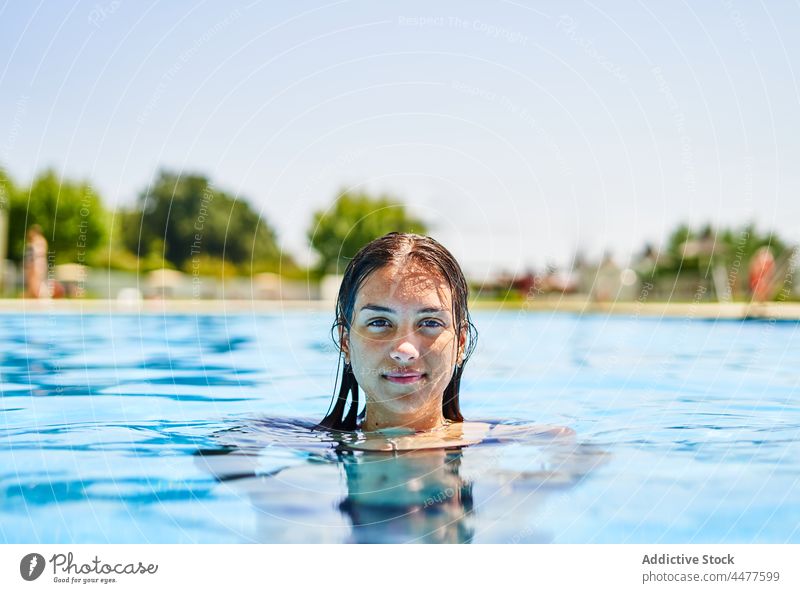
(398, 248)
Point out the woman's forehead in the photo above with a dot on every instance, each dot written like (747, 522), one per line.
(409, 285)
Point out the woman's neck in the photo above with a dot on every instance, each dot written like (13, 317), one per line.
(377, 419)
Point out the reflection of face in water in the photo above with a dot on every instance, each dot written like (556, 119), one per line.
(418, 496)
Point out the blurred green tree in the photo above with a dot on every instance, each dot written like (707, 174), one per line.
(688, 248)
(181, 219)
(7, 189)
(355, 219)
(71, 215)
(695, 253)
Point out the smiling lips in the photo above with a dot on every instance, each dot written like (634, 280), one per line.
(404, 377)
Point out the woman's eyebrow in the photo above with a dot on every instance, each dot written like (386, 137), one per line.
(390, 310)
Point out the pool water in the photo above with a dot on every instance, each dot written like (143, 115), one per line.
(153, 428)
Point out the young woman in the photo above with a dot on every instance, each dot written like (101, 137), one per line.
(405, 334)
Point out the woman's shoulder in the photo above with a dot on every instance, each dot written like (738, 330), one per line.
(528, 431)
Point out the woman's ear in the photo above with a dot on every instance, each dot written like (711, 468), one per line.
(344, 343)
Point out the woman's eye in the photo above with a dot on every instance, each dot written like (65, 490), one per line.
(433, 322)
(378, 323)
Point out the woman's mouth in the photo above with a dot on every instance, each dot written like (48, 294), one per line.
(404, 378)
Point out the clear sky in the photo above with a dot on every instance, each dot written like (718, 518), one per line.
(520, 131)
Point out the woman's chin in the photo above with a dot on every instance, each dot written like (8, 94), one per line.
(404, 405)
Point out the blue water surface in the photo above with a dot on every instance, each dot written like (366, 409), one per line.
(194, 428)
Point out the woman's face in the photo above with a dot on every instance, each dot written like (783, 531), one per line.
(402, 345)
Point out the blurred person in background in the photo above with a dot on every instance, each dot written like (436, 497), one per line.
(761, 274)
(35, 264)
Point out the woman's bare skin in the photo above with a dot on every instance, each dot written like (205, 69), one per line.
(457, 434)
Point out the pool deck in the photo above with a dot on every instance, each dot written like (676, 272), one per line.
(764, 311)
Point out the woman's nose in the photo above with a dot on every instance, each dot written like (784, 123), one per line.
(404, 351)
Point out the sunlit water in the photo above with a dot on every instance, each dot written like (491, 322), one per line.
(195, 429)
